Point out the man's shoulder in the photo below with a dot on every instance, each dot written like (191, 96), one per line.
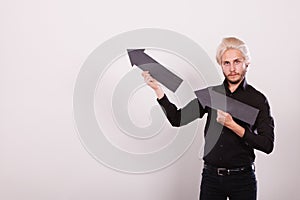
(255, 93)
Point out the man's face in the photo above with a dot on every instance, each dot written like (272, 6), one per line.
(233, 66)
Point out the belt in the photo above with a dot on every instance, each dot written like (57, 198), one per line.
(220, 171)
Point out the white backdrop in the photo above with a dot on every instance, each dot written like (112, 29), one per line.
(43, 45)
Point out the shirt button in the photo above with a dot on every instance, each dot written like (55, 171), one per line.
(221, 145)
(220, 158)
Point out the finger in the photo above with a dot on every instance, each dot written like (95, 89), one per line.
(221, 112)
(220, 120)
(149, 79)
(145, 73)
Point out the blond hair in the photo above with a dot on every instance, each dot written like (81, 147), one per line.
(232, 43)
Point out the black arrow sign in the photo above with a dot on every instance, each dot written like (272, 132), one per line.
(237, 109)
(143, 61)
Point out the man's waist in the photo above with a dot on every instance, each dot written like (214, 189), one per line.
(224, 171)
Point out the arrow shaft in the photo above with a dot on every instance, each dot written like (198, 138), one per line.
(157, 71)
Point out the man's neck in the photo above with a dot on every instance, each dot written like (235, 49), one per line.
(233, 86)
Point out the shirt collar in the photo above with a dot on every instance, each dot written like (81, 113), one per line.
(242, 85)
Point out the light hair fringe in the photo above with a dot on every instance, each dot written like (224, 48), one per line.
(232, 43)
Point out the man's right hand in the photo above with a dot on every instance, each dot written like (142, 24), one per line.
(153, 84)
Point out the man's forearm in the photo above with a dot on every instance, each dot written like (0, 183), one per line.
(237, 129)
(159, 93)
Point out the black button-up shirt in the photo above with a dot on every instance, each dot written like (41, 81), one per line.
(224, 148)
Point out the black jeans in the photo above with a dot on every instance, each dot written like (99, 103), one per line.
(242, 186)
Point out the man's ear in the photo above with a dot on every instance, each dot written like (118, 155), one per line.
(247, 64)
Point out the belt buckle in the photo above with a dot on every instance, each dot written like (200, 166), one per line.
(220, 171)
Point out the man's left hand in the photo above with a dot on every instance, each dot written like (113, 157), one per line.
(226, 120)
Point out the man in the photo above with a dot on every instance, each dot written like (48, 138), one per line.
(229, 165)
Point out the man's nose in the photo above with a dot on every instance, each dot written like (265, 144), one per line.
(232, 67)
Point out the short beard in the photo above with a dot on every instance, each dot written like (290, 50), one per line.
(237, 81)
(234, 82)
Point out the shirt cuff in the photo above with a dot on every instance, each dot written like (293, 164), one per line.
(164, 101)
(248, 135)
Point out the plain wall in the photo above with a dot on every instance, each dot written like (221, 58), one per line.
(43, 45)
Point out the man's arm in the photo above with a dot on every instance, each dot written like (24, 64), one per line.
(262, 138)
(179, 117)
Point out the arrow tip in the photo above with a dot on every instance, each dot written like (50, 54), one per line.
(132, 53)
(136, 50)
